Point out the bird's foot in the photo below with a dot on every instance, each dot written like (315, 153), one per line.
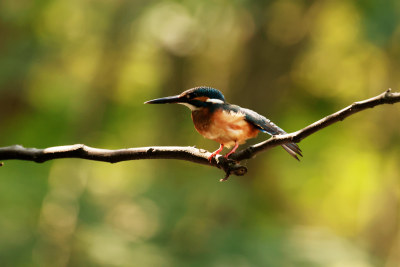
(213, 155)
(227, 155)
(216, 152)
(232, 151)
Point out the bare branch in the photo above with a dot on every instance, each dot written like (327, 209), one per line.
(81, 151)
(230, 166)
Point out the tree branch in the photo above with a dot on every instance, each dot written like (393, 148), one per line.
(386, 97)
(193, 154)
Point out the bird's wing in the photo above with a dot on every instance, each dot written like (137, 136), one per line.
(265, 125)
(262, 123)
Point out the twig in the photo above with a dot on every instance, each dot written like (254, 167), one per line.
(230, 166)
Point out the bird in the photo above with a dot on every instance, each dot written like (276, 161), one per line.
(227, 124)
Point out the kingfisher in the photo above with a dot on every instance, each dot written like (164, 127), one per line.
(228, 124)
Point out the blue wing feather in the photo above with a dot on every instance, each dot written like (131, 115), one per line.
(266, 126)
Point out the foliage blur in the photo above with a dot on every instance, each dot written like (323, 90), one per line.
(79, 72)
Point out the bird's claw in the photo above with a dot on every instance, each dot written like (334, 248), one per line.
(210, 158)
(213, 155)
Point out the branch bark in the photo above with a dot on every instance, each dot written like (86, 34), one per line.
(193, 154)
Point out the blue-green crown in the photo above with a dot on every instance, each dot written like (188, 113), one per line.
(205, 91)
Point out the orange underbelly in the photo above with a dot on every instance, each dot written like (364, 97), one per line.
(224, 127)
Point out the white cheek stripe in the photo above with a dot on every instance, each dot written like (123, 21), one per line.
(215, 101)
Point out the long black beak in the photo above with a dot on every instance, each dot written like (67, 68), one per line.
(166, 100)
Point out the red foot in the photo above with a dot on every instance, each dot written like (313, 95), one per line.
(216, 152)
(233, 150)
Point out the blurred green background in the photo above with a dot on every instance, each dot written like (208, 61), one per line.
(78, 71)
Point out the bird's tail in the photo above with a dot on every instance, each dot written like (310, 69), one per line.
(292, 148)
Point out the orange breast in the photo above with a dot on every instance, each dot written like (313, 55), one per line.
(225, 127)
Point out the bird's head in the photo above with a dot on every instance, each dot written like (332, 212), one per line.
(194, 98)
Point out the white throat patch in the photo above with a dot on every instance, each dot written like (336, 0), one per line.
(189, 106)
